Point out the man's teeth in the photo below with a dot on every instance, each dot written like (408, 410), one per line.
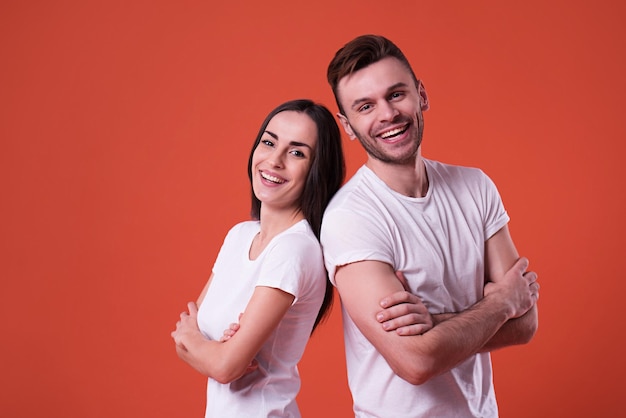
(272, 178)
(392, 132)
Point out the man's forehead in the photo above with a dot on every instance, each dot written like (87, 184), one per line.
(375, 79)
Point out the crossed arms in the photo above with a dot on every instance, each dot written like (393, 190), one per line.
(233, 356)
(506, 315)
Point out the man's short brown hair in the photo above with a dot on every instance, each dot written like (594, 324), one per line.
(359, 53)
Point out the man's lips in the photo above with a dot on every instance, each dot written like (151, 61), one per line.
(392, 133)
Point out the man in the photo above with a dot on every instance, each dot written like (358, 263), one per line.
(444, 227)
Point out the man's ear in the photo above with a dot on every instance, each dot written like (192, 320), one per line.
(421, 90)
(346, 126)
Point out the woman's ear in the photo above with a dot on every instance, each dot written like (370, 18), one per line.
(346, 126)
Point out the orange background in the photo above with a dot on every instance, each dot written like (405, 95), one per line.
(126, 127)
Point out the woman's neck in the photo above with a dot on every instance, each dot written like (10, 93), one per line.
(273, 222)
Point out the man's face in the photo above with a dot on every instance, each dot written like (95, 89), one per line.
(383, 109)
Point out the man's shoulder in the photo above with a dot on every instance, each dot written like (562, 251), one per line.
(360, 189)
(455, 169)
(455, 174)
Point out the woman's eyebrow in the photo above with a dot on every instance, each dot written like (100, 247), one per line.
(294, 143)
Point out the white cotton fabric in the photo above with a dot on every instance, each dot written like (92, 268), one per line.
(292, 262)
(438, 242)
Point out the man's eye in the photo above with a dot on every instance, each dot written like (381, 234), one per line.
(396, 94)
(365, 107)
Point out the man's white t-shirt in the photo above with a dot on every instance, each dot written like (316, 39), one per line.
(438, 242)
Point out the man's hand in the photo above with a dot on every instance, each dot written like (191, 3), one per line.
(518, 288)
(404, 312)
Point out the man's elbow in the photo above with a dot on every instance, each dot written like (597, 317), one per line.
(529, 332)
(416, 372)
(531, 324)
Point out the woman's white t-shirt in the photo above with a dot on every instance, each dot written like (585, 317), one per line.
(292, 262)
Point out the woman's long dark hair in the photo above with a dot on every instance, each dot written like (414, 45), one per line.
(325, 176)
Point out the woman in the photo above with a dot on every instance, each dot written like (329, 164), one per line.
(271, 269)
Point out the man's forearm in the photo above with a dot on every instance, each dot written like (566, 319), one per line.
(454, 338)
(514, 332)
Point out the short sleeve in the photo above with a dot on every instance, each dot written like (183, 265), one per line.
(293, 263)
(349, 237)
(494, 214)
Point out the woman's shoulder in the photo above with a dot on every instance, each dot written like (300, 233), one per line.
(244, 228)
(299, 236)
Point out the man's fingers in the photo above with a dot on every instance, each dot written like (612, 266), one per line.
(416, 329)
(535, 290)
(531, 277)
(398, 298)
(522, 264)
(406, 320)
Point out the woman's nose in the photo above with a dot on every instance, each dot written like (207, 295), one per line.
(276, 159)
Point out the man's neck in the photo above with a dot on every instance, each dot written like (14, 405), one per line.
(408, 179)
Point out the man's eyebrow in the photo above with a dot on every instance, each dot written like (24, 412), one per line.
(395, 86)
(294, 143)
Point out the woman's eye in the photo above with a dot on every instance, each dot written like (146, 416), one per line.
(297, 153)
(267, 142)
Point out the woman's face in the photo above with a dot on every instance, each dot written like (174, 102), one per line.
(282, 159)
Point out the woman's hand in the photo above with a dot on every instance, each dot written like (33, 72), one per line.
(229, 333)
(231, 330)
(186, 327)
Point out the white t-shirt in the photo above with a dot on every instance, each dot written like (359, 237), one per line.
(292, 262)
(438, 242)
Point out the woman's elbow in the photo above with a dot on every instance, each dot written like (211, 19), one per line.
(228, 373)
(231, 368)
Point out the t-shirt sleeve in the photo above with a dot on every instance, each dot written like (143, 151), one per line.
(293, 264)
(229, 241)
(349, 237)
(494, 214)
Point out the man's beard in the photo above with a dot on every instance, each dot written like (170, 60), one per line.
(374, 152)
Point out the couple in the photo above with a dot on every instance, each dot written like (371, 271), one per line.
(419, 251)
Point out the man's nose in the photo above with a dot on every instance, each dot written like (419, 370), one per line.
(387, 112)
